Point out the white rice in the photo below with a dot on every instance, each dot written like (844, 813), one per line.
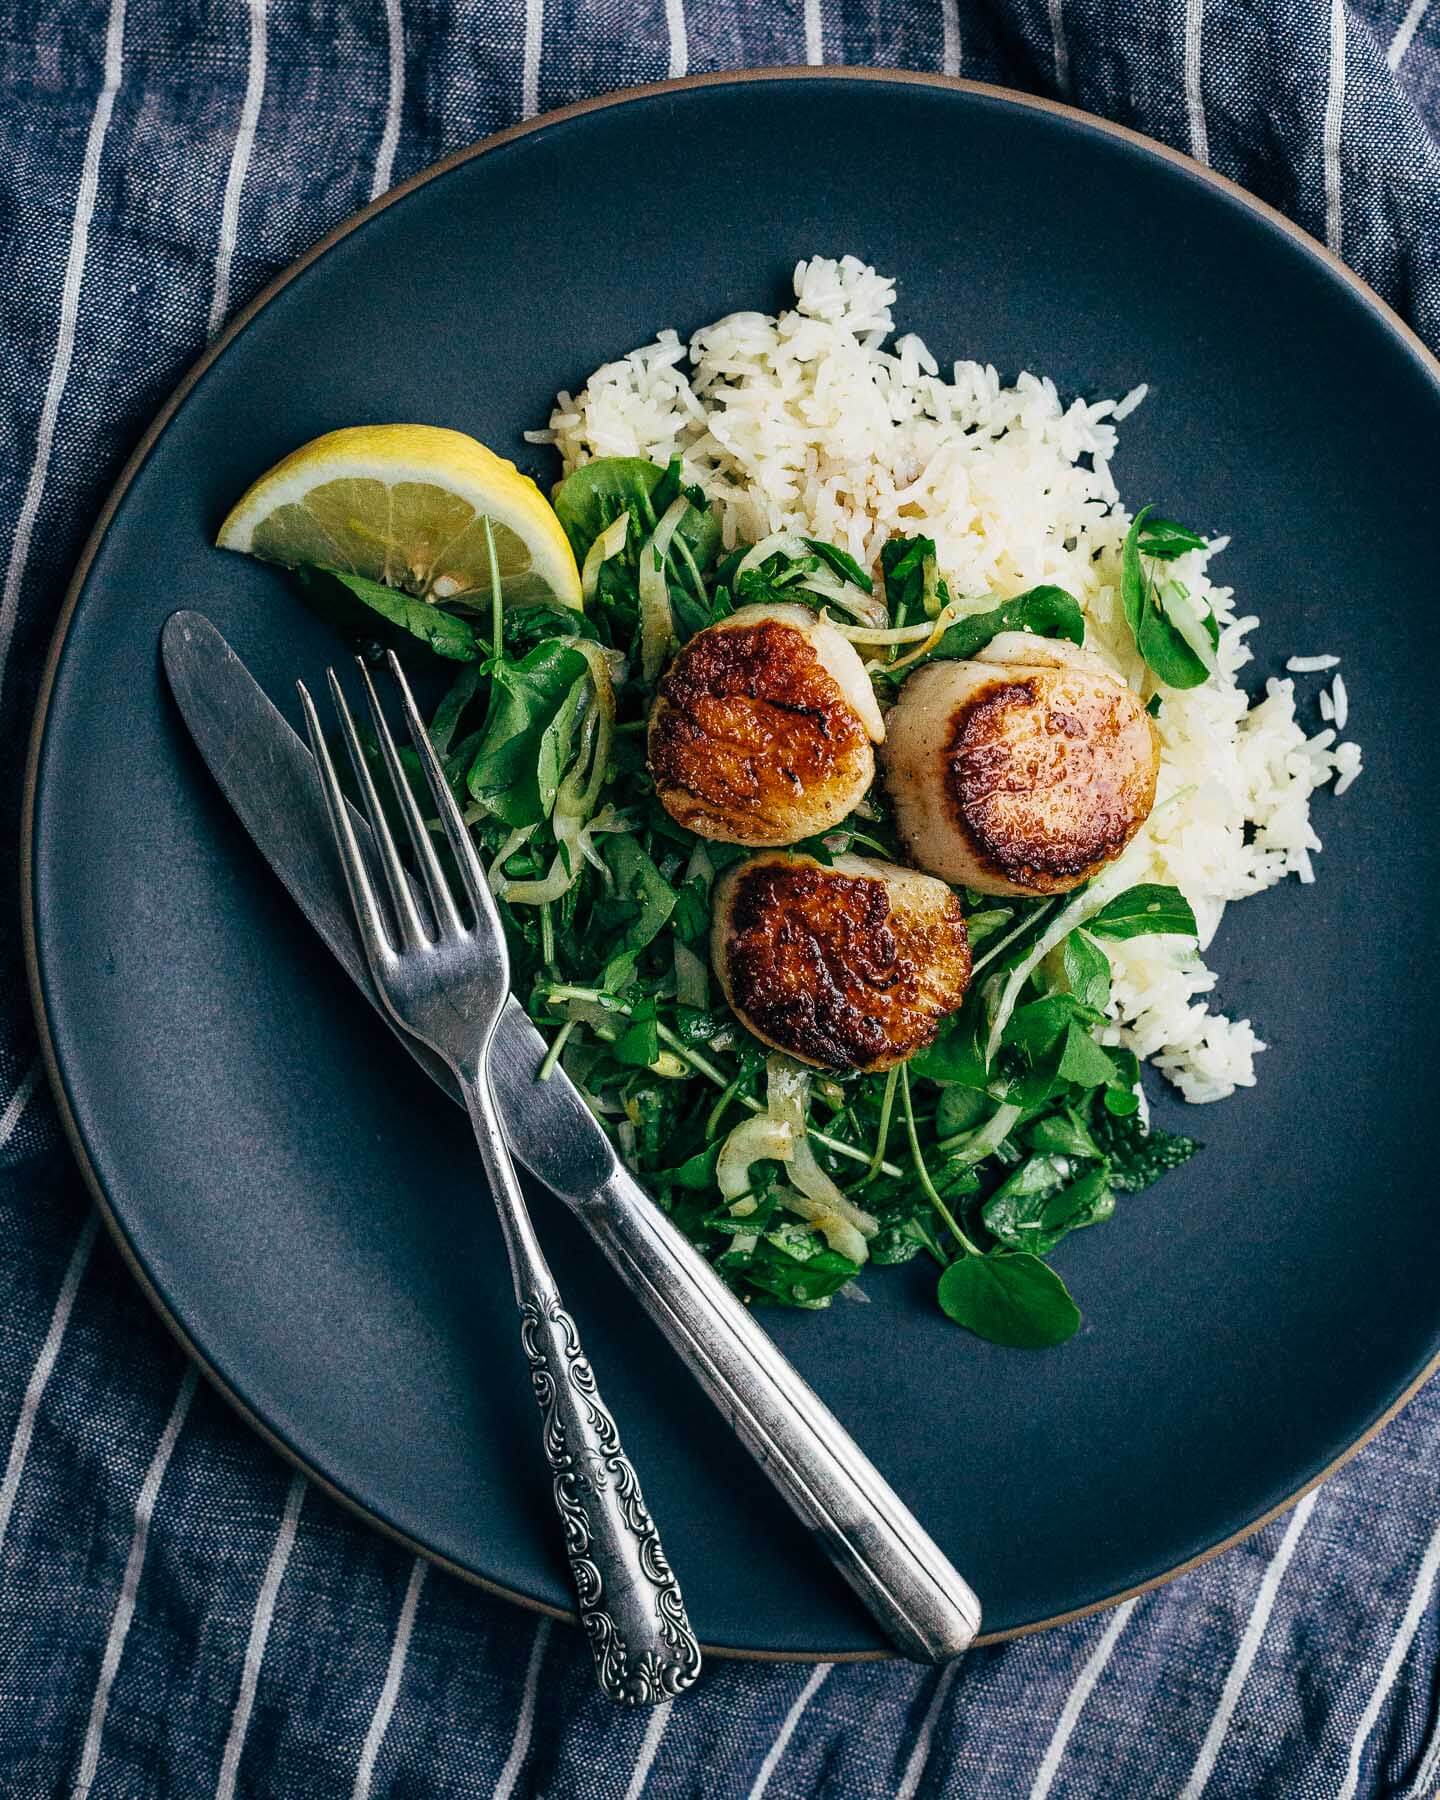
(1340, 703)
(809, 422)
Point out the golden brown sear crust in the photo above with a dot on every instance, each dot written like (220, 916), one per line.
(1051, 774)
(752, 740)
(819, 963)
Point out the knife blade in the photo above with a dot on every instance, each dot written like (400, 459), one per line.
(915, 1594)
(268, 775)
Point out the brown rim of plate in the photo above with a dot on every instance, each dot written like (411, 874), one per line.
(621, 97)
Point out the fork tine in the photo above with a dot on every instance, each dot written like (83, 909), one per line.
(368, 915)
(412, 929)
(447, 919)
(456, 831)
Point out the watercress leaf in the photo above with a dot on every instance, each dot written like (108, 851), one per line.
(447, 635)
(1085, 1201)
(1146, 908)
(694, 1026)
(1121, 1102)
(457, 697)
(696, 1173)
(959, 1109)
(1138, 1155)
(690, 920)
(1035, 1026)
(1009, 1298)
(1041, 1077)
(1165, 539)
(1127, 1067)
(902, 568)
(1156, 637)
(981, 925)
(1084, 1062)
(841, 563)
(1134, 583)
(958, 1053)
(1063, 1134)
(651, 902)
(594, 496)
(1036, 1175)
(898, 1243)
(1164, 648)
(639, 1044)
(953, 1180)
(1038, 1222)
(1039, 1205)
(525, 626)
(514, 771)
(816, 848)
(792, 1266)
(1047, 611)
(1086, 969)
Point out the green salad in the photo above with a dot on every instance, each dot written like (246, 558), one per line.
(1017, 1126)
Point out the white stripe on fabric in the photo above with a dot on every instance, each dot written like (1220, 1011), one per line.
(1194, 80)
(530, 68)
(950, 36)
(679, 38)
(1394, 1661)
(44, 1367)
(920, 1754)
(1334, 121)
(814, 33)
(1405, 34)
(1424, 1786)
(650, 1744)
(239, 165)
(130, 1585)
(787, 1729)
(65, 336)
(395, 99)
(1062, 49)
(1075, 1700)
(394, 1670)
(1249, 1644)
(259, 1634)
(525, 1718)
(18, 1101)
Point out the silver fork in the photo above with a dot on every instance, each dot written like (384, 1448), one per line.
(445, 981)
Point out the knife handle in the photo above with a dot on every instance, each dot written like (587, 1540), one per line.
(918, 1598)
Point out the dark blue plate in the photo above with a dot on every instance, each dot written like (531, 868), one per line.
(307, 1209)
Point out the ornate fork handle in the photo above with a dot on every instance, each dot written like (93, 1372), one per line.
(626, 1592)
(629, 1601)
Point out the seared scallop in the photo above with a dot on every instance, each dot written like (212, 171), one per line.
(854, 966)
(762, 728)
(1022, 772)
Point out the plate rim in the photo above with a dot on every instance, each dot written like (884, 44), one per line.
(1136, 140)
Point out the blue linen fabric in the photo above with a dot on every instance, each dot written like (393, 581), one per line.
(180, 1613)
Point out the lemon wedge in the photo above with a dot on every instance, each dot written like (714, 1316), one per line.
(407, 505)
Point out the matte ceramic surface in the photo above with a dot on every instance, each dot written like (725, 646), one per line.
(309, 1208)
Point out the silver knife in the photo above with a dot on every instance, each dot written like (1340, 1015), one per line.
(917, 1597)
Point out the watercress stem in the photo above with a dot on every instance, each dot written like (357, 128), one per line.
(931, 1192)
(547, 936)
(552, 1055)
(497, 603)
(887, 1105)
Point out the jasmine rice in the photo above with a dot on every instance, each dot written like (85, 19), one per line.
(821, 421)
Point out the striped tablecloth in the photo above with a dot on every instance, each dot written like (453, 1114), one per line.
(181, 1614)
